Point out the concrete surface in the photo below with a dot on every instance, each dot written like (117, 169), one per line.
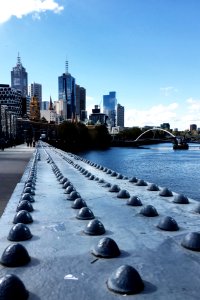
(12, 165)
(62, 266)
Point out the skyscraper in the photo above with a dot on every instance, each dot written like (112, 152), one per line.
(80, 102)
(19, 78)
(35, 90)
(67, 94)
(120, 115)
(109, 107)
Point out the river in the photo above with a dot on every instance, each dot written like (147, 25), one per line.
(178, 170)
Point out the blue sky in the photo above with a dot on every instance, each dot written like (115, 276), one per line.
(148, 51)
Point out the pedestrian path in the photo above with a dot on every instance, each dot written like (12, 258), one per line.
(13, 162)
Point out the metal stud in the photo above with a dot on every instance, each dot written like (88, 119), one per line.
(125, 280)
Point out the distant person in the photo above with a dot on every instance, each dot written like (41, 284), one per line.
(2, 144)
(28, 141)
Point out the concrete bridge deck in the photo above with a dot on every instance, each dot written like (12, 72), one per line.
(62, 265)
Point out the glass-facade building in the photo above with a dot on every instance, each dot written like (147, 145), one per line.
(19, 78)
(120, 115)
(67, 94)
(80, 102)
(109, 107)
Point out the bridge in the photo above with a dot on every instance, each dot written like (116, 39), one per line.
(128, 236)
(155, 129)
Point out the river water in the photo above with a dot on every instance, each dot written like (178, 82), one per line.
(177, 170)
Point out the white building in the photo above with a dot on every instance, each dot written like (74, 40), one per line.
(49, 115)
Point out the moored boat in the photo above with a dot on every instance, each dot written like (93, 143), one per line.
(181, 146)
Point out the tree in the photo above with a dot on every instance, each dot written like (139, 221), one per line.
(100, 137)
(73, 137)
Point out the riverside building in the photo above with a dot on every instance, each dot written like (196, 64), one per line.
(109, 107)
(80, 102)
(67, 95)
(120, 115)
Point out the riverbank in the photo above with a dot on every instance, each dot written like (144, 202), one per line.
(126, 143)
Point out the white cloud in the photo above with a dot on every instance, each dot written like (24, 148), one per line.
(193, 105)
(21, 8)
(177, 115)
(154, 116)
(168, 90)
(90, 104)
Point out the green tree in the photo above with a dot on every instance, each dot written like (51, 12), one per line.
(73, 137)
(100, 137)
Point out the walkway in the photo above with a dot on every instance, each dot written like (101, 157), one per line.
(13, 162)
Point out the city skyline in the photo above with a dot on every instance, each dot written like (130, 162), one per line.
(146, 51)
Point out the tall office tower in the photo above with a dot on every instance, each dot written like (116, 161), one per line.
(193, 127)
(120, 115)
(109, 107)
(45, 105)
(19, 78)
(67, 94)
(80, 102)
(35, 90)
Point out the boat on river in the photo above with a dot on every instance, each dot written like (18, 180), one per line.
(180, 145)
(184, 146)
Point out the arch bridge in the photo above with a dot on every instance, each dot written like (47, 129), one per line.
(155, 129)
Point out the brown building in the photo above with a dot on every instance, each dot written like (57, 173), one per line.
(34, 109)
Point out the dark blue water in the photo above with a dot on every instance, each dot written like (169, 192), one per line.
(178, 170)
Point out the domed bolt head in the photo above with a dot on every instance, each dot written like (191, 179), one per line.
(125, 280)
(181, 199)
(165, 192)
(192, 241)
(11, 287)
(28, 197)
(114, 188)
(19, 232)
(123, 194)
(153, 187)
(106, 248)
(134, 201)
(149, 211)
(23, 216)
(168, 223)
(94, 227)
(15, 255)
(69, 189)
(133, 179)
(141, 182)
(24, 205)
(73, 195)
(78, 203)
(85, 213)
